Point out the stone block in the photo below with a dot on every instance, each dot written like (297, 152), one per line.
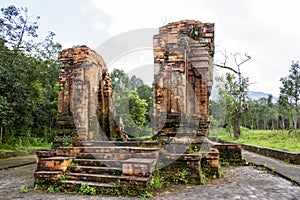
(55, 163)
(54, 175)
(138, 166)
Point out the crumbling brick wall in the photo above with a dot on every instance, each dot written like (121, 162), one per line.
(85, 101)
(183, 61)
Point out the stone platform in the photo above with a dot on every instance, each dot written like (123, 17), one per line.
(100, 166)
(108, 164)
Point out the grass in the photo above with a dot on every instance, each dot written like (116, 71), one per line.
(278, 139)
(5, 148)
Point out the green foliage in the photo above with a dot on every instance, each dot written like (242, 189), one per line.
(23, 189)
(23, 143)
(193, 149)
(156, 181)
(66, 141)
(137, 109)
(290, 93)
(37, 187)
(132, 100)
(181, 177)
(73, 164)
(15, 26)
(51, 189)
(117, 182)
(145, 195)
(63, 177)
(220, 171)
(202, 177)
(234, 97)
(262, 114)
(28, 73)
(87, 190)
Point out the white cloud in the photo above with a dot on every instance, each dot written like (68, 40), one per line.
(267, 30)
(97, 23)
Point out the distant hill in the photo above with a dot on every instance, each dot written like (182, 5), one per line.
(258, 95)
(254, 95)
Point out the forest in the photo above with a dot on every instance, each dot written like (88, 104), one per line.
(262, 114)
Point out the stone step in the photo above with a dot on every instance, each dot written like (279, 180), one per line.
(139, 166)
(118, 149)
(108, 178)
(56, 163)
(117, 156)
(99, 163)
(104, 156)
(67, 151)
(110, 143)
(96, 170)
(93, 184)
(119, 143)
(47, 174)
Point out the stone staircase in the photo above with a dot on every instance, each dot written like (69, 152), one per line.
(100, 164)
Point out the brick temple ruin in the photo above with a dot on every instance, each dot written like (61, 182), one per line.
(183, 78)
(97, 152)
(85, 99)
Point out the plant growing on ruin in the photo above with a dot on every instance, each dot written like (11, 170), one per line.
(156, 182)
(182, 176)
(50, 189)
(65, 141)
(87, 190)
(220, 171)
(202, 177)
(23, 189)
(63, 177)
(145, 195)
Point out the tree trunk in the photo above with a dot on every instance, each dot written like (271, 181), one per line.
(283, 124)
(295, 121)
(1, 131)
(236, 126)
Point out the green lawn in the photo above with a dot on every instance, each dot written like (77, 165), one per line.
(10, 148)
(278, 139)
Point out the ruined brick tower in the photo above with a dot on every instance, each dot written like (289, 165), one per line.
(85, 100)
(183, 78)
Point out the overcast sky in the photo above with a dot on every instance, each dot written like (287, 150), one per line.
(267, 30)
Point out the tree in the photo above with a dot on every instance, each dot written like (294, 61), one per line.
(218, 114)
(235, 92)
(15, 26)
(135, 83)
(266, 113)
(290, 92)
(120, 80)
(146, 93)
(28, 73)
(128, 103)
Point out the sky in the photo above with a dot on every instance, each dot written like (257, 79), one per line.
(266, 30)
